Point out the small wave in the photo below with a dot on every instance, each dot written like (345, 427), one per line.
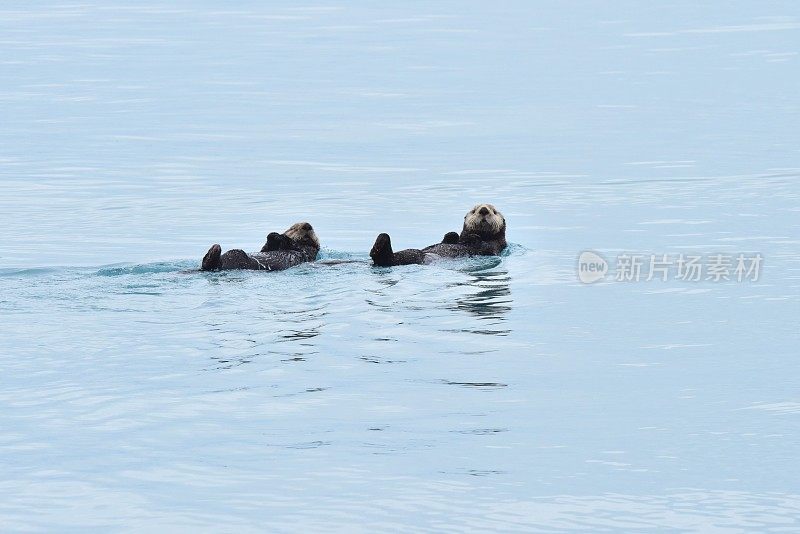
(513, 249)
(328, 254)
(326, 257)
(32, 271)
(480, 263)
(147, 268)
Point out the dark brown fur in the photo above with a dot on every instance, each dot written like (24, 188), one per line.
(483, 234)
(298, 244)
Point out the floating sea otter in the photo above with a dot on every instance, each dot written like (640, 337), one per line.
(483, 234)
(299, 244)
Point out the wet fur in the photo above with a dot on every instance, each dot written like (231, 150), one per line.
(483, 234)
(299, 244)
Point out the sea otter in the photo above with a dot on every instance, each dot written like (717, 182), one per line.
(299, 244)
(483, 234)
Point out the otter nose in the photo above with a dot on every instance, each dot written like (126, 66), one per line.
(484, 210)
(307, 227)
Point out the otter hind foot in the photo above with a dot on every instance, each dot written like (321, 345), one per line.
(211, 259)
(381, 252)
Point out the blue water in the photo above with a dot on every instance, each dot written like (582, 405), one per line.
(487, 394)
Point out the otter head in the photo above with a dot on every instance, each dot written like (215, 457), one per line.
(486, 221)
(302, 234)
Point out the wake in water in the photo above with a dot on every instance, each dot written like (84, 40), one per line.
(326, 258)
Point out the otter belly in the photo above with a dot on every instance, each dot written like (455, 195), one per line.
(278, 260)
(446, 250)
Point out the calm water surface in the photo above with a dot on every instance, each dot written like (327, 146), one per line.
(489, 394)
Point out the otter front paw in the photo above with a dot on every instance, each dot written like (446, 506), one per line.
(470, 240)
(450, 238)
(276, 241)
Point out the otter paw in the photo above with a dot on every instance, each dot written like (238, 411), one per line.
(381, 252)
(470, 240)
(274, 241)
(450, 238)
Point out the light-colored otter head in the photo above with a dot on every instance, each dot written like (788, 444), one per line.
(302, 233)
(486, 221)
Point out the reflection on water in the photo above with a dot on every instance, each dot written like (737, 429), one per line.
(487, 385)
(488, 295)
(260, 317)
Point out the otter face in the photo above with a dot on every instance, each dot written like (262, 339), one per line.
(484, 220)
(302, 233)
